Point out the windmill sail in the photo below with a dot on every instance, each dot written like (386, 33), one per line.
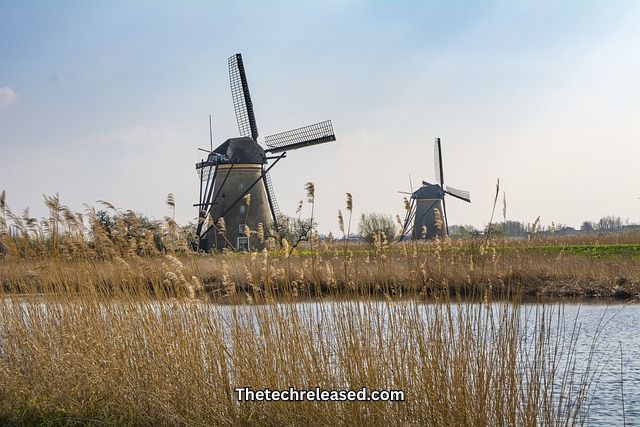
(241, 98)
(205, 173)
(460, 194)
(444, 216)
(306, 136)
(275, 209)
(437, 158)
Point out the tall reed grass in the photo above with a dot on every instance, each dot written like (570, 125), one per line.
(142, 358)
(74, 250)
(467, 267)
(119, 323)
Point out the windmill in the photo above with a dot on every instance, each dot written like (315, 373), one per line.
(234, 179)
(427, 207)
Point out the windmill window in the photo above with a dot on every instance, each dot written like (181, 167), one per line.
(243, 209)
(243, 243)
(241, 228)
(242, 186)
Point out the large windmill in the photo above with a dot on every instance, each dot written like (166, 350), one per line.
(428, 207)
(234, 179)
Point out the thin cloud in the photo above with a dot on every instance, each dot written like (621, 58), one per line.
(8, 97)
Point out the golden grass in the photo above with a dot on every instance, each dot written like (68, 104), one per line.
(73, 250)
(465, 266)
(102, 326)
(145, 340)
(140, 359)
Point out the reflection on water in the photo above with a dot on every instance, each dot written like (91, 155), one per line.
(617, 326)
(607, 337)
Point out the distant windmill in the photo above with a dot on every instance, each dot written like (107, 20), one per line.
(427, 207)
(234, 179)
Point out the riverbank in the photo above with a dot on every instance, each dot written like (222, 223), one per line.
(143, 340)
(463, 267)
(78, 359)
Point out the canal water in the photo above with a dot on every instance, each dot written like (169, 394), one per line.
(605, 335)
(616, 332)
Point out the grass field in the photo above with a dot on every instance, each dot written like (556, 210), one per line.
(141, 356)
(129, 326)
(165, 339)
(465, 266)
(115, 249)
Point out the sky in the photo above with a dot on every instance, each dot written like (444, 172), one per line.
(109, 100)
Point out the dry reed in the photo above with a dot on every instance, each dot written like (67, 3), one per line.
(121, 324)
(167, 355)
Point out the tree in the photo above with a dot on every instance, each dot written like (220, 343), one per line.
(189, 232)
(373, 223)
(587, 227)
(295, 230)
(515, 228)
(609, 224)
(509, 228)
(462, 230)
(107, 221)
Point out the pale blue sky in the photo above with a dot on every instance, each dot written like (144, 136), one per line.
(109, 100)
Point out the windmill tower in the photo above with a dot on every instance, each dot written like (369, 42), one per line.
(428, 207)
(234, 179)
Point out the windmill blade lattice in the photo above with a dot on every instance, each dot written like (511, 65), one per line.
(275, 209)
(460, 194)
(242, 98)
(205, 173)
(306, 136)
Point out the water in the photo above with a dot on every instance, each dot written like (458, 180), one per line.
(606, 336)
(614, 327)
(609, 331)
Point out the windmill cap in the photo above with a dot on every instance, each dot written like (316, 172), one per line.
(427, 191)
(242, 150)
